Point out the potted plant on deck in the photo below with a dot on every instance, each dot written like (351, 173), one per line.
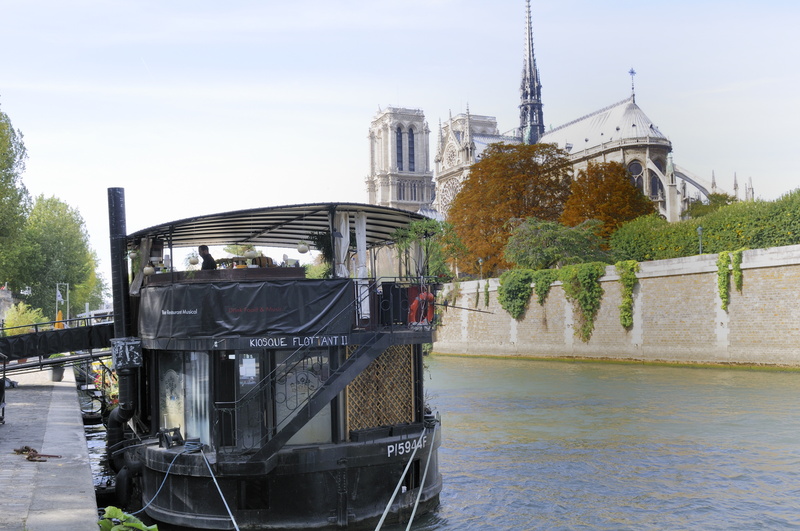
(57, 370)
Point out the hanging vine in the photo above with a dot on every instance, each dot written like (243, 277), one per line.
(736, 265)
(723, 278)
(486, 294)
(627, 270)
(515, 291)
(582, 287)
(543, 279)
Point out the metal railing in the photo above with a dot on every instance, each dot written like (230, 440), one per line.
(244, 425)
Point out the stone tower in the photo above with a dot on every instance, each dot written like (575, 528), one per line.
(399, 160)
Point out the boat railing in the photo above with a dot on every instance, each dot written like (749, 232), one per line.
(245, 425)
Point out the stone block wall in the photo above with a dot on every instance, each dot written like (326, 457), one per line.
(677, 313)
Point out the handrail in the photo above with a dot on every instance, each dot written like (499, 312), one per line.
(227, 412)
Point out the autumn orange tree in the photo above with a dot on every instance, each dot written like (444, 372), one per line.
(604, 191)
(509, 182)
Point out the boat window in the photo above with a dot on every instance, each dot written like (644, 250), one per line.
(184, 393)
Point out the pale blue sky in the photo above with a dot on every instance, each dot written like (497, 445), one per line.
(197, 107)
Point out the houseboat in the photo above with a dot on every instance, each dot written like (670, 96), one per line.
(252, 397)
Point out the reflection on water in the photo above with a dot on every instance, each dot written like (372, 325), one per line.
(554, 445)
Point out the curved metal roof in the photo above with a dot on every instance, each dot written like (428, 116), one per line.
(279, 226)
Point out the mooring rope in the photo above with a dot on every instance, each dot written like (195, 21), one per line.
(224, 501)
(402, 477)
(422, 483)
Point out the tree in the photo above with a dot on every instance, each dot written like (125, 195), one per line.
(435, 241)
(55, 249)
(604, 191)
(538, 244)
(14, 198)
(697, 209)
(510, 181)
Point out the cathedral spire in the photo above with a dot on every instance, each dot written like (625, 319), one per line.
(531, 122)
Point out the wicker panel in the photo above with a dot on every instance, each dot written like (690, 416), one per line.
(383, 395)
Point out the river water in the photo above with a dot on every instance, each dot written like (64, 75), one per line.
(558, 445)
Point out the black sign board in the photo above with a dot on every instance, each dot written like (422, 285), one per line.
(126, 352)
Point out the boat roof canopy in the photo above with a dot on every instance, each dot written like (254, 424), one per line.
(279, 226)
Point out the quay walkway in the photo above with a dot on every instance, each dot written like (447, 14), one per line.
(57, 493)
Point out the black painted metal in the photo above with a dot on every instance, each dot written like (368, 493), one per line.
(265, 459)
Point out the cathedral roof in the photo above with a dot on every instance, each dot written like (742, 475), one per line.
(622, 121)
(483, 141)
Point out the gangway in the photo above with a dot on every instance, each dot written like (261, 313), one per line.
(31, 350)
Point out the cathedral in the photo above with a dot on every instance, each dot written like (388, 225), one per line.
(400, 174)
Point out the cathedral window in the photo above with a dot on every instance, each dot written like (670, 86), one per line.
(656, 188)
(399, 134)
(635, 170)
(401, 191)
(410, 150)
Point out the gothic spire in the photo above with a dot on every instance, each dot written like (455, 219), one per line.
(531, 122)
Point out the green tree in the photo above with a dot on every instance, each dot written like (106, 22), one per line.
(14, 198)
(604, 191)
(436, 242)
(510, 181)
(538, 244)
(55, 250)
(699, 208)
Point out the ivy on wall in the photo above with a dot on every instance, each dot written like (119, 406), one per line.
(581, 283)
(515, 291)
(729, 263)
(724, 278)
(543, 279)
(486, 294)
(627, 270)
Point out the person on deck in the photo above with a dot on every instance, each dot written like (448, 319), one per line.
(208, 260)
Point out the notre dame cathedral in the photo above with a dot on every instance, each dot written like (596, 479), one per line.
(401, 176)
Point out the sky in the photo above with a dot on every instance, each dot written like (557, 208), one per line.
(197, 107)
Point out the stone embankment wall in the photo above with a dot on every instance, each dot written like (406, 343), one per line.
(677, 316)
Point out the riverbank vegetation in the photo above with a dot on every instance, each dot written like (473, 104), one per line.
(516, 221)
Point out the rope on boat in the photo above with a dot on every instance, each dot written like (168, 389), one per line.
(191, 447)
(422, 483)
(402, 477)
(187, 448)
(224, 501)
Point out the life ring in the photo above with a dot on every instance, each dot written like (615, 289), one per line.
(421, 309)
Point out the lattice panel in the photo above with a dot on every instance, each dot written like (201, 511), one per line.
(383, 395)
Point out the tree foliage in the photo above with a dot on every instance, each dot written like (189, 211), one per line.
(19, 316)
(429, 243)
(510, 181)
(55, 249)
(697, 209)
(538, 244)
(604, 191)
(14, 198)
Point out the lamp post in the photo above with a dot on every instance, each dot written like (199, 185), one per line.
(700, 238)
(480, 263)
(60, 299)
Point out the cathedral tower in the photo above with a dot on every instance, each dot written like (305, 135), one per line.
(531, 122)
(399, 160)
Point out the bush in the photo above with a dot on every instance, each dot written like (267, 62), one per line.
(745, 224)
